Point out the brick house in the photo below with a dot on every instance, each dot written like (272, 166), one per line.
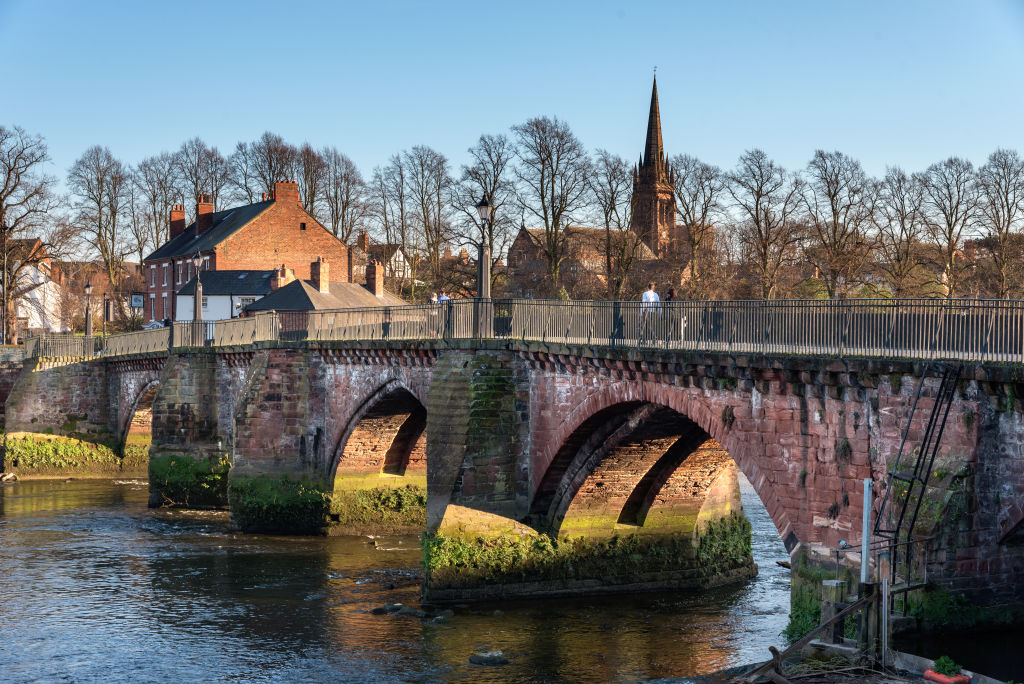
(365, 251)
(259, 236)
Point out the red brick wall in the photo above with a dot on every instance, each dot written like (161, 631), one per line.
(275, 237)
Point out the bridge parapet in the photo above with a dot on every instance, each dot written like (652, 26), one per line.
(975, 331)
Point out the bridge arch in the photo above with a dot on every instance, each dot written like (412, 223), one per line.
(656, 433)
(136, 429)
(383, 443)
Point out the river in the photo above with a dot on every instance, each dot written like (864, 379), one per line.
(94, 586)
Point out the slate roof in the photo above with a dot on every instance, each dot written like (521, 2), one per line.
(240, 283)
(301, 295)
(225, 223)
(592, 238)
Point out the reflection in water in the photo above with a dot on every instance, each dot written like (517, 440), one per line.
(94, 583)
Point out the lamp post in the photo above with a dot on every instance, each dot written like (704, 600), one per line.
(197, 313)
(88, 309)
(482, 316)
(106, 313)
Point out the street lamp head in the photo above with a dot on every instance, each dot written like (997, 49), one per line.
(483, 208)
(197, 261)
(88, 289)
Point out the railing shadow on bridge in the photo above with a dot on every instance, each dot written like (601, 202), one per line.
(959, 329)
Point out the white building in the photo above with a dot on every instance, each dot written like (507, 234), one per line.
(225, 293)
(39, 300)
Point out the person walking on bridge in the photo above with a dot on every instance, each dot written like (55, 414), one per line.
(650, 303)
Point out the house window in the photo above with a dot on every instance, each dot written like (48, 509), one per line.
(177, 271)
(165, 274)
(206, 302)
(206, 263)
(164, 297)
(302, 226)
(152, 307)
(190, 270)
(152, 275)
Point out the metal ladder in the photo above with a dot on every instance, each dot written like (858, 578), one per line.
(910, 474)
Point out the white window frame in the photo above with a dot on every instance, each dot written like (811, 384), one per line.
(164, 298)
(152, 275)
(152, 307)
(165, 274)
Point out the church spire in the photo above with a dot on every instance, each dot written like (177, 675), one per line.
(653, 150)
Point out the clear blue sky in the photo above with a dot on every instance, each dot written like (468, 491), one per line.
(903, 83)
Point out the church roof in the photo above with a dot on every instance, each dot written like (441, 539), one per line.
(592, 238)
(653, 149)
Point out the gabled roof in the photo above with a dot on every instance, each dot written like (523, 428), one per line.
(383, 253)
(593, 238)
(301, 295)
(240, 283)
(225, 224)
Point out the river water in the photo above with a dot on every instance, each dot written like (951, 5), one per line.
(96, 587)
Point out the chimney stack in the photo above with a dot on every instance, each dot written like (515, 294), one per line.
(363, 241)
(464, 255)
(177, 220)
(204, 214)
(281, 277)
(286, 191)
(319, 273)
(375, 278)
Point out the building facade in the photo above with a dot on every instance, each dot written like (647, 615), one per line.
(253, 237)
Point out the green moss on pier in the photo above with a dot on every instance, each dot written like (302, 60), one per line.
(451, 562)
(278, 505)
(379, 510)
(184, 482)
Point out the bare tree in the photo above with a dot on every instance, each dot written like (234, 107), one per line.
(611, 182)
(99, 183)
(242, 177)
(345, 194)
(951, 200)
(153, 179)
(311, 168)
(1001, 182)
(392, 207)
(139, 224)
(272, 160)
(26, 200)
(699, 190)
(839, 198)
(768, 199)
(488, 175)
(428, 185)
(900, 220)
(552, 182)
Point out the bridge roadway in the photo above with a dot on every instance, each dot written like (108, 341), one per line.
(581, 418)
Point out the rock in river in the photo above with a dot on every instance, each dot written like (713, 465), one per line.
(489, 658)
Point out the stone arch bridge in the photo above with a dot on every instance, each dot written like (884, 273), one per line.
(568, 439)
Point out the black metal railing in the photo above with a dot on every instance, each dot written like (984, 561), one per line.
(931, 329)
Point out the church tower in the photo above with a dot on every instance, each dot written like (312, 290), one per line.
(654, 199)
